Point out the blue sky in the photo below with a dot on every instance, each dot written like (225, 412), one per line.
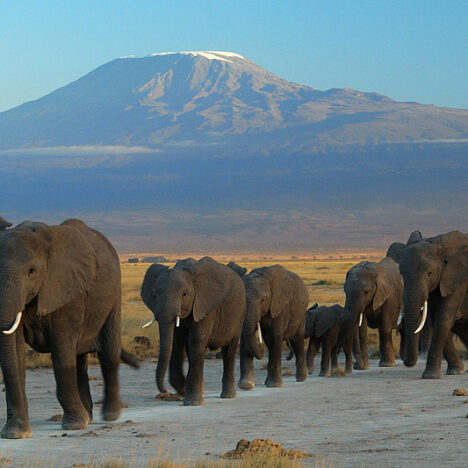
(408, 50)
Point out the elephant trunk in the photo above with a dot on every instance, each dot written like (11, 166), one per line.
(354, 306)
(413, 302)
(166, 334)
(17, 408)
(252, 332)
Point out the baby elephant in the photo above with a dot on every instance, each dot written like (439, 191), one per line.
(332, 327)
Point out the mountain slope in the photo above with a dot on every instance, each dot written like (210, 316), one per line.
(185, 100)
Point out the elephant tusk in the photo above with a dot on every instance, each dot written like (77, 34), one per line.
(147, 324)
(423, 320)
(360, 319)
(400, 317)
(259, 333)
(177, 321)
(15, 324)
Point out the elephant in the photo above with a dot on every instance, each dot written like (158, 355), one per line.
(333, 328)
(374, 292)
(435, 275)
(61, 294)
(4, 224)
(241, 271)
(197, 304)
(395, 251)
(276, 301)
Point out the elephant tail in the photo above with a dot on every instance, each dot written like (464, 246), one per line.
(130, 359)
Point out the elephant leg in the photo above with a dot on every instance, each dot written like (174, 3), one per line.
(196, 359)
(75, 415)
(247, 371)
(387, 353)
(176, 363)
(442, 325)
(325, 362)
(334, 361)
(14, 377)
(348, 349)
(456, 365)
(297, 343)
(425, 338)
(229, 356)
(83, 383)
(109, 357)
(274, 345)
(311, 353)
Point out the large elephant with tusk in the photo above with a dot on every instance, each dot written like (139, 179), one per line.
(276, 302)
(60, 293)
(197, 304)
(435, 274)
(374, 293)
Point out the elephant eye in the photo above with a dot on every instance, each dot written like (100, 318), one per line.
(366, 292)
(429, 273)
(184, 294)
(32, 271)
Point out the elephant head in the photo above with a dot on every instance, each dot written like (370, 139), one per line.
(42, 268)
(438, 262)
(189, 290)
(367, 286)
(265, 291)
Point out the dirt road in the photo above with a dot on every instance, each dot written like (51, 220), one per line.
(380, 417)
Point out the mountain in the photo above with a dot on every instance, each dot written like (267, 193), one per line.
(208, 152)
(190, 99)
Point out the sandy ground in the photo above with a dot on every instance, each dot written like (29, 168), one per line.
(380, 417)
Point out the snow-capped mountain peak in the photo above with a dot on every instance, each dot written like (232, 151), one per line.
(209, 54)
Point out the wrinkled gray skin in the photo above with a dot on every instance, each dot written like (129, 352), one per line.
(395, 251)
(4, 224)
(277, 298)
(436, 270)
(376, 291)
(209, 298)
(241, 271)
(66, 281)
(332, 328)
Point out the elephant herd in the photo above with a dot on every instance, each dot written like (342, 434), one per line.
(60, 292)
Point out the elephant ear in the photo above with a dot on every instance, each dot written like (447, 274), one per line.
(382, 291)
(71, 266)
(414, 237)
(147, 286)
(454, 271)
(281, 287)
(323, 322)
(395, 250)
(213, 283)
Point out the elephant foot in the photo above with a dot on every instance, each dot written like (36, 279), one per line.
(310, 370)
(194, 401)
(301, 375)
(455, 370)
(360, 366)
(228, 394)
(337, 372)
(271, 382)
(431, 374)
(349, 371)
(74, 423)
(14, 430)
(324, 374)
(384, 363)
(246, 384)
(111, 412)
